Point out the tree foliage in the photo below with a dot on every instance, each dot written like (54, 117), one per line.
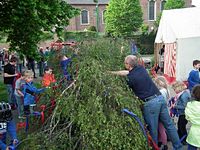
(123, 17)
(170, 4)
(174, 4)
(25, 20)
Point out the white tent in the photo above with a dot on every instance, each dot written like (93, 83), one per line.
(179, 30)
(196, 3)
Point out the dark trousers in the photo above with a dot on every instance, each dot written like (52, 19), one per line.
(41, 68)
(26, 109)
(182, 122)
(31, 66)
(191, 147)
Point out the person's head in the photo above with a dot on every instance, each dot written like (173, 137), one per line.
(28, 77)
(41, 49)
(130, 62)
(23, 74)
(196, 92)
(13, 61)
(161, 82)
(48, 70)
(179, 86)
(196, 64)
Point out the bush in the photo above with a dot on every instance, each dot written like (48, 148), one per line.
(92, 28)
(88, 116)
(80, 36)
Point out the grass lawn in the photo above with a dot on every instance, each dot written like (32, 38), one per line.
(3, 92)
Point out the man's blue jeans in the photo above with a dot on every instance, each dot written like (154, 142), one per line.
(155, 110)
(11, 97)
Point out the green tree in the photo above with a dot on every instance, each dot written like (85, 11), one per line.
(123, 17)
(174, 4)
(170, 4)
(25, 20)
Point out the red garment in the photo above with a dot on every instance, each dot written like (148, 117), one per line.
(48, 79)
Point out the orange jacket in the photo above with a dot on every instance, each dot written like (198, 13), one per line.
(48, 79)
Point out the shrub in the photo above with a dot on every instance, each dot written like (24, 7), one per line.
(92, 28)
(88, 116)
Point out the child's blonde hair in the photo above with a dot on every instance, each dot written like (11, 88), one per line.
(161, 83)
(28, 73)
(179, 86)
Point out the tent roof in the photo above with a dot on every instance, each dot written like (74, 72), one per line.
(178, 23)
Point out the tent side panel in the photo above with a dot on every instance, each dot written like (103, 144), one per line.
(188, 49)
(157, 47)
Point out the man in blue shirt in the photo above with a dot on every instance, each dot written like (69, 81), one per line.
(155, 107)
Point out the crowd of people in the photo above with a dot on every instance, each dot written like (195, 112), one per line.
(18, 79)
(156, 97)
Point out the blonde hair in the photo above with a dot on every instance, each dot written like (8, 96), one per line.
(161, 82)
(28, 73)
(179, 86)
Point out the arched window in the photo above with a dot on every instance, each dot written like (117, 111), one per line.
(151, 10)
(103, 16)
(84, 17)
(162, 5)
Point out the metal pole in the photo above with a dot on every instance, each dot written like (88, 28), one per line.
(97, 17)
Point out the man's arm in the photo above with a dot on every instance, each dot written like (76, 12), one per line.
(9, 75)
(120, 73)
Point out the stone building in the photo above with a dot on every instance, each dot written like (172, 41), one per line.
(88, 16)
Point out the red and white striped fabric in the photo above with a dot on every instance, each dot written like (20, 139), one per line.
(170, 60)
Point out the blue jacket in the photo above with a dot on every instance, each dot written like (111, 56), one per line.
(64, 65)
(193, 79)
(182, 102)
(29, 91)
(11, 129)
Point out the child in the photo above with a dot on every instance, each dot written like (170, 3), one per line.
(18, 94)
(192, 113)
(7, 125)
(48, 77)
(65, 62)
(194, 78)
(181, 99)
(29, 91)
(161, 83)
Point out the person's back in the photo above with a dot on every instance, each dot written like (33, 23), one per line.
(194, 76)
(181, 99)
(141, 83)
(64, 63)
(7, 125)
(192, 112)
